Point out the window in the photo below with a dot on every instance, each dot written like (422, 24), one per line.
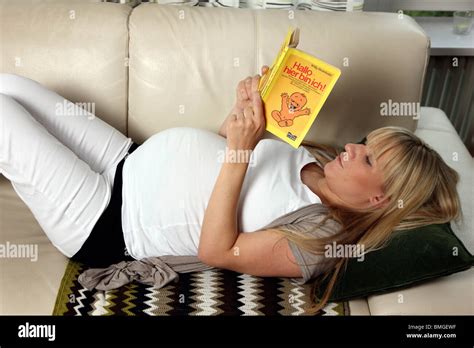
(418, 5)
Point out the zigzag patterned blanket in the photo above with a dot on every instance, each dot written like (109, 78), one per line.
(212, 292)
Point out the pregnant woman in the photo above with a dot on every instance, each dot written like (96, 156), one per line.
(102, 199)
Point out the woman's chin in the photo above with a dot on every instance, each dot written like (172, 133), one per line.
(331, 168)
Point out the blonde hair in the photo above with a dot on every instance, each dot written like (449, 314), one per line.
(421, 189)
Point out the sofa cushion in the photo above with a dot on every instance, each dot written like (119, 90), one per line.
(77, 49)
(28, 285)
(435, 129)
(450, 295)
(411, 257)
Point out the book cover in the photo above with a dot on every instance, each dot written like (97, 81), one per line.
(294, 90)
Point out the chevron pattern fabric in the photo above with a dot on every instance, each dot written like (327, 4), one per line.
(207, 293)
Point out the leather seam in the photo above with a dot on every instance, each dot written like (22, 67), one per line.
(256, 35)
(127, 74)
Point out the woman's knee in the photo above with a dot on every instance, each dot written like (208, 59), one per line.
(13, 83)
(11, 111)
(6, 102)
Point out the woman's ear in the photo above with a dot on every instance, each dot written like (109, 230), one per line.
(379, 201)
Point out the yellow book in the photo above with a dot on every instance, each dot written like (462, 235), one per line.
(294, 90)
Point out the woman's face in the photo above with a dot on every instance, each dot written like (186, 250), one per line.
(355, 178)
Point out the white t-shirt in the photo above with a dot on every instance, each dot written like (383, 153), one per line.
(168, 180)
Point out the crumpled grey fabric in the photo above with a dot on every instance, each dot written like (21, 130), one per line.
(154, 271)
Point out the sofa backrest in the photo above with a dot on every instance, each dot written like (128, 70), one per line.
(185, 63)
(78, 49)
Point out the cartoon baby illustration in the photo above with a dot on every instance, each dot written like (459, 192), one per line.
(291, 107)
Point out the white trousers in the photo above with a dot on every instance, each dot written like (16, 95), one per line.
(60, 159)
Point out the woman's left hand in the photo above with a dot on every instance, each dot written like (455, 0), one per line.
(244, 91)
(246, 128)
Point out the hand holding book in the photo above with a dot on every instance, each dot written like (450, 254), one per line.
(242, 99)
(294, 90)
(245, 127)
(244, 91)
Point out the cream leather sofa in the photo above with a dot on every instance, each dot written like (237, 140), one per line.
(160, 66)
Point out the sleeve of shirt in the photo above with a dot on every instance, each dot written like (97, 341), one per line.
(311, 264)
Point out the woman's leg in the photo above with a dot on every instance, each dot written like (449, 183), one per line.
(64, 194)
(91, 139)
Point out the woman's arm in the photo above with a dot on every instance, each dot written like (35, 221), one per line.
(219, 227)
(263, 253)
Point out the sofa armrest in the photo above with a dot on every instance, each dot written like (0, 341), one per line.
(451, 294)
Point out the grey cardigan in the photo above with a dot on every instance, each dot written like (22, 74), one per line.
(159, 271)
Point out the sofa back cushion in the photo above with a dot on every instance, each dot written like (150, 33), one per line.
(78, 49)
(185, 63)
